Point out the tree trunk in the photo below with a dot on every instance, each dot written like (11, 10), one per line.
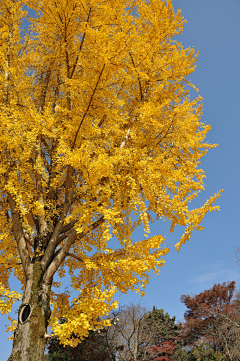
(34, 313)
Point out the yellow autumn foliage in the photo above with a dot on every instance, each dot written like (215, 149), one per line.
(96, 124)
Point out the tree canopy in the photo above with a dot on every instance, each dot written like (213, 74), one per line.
(212, 319)
(96, 124)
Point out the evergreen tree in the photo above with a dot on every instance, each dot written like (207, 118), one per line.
(165, 334)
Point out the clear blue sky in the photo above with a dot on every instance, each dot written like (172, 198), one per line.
(213, 28)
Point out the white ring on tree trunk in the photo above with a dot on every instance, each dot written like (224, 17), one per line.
(27, 311)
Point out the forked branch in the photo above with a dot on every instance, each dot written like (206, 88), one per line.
(64, 251)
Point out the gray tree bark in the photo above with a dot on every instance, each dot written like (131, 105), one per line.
(30, 336)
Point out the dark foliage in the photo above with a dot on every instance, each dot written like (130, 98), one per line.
(93, 348)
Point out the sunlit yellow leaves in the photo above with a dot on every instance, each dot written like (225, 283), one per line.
(12, 327)
(90, 304)
(194, 218)
(96, 121)
(7, 299)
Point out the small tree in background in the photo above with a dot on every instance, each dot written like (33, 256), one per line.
(126, 332)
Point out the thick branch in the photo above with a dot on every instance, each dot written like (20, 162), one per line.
(102, 120)
(41, 219)
(125, 139)
(28, 238)
(44, 88)
(47, 166)
(68, 227)
(62, 237)
(56, 233)
(59, 258)
(18, 232)
(64, 251)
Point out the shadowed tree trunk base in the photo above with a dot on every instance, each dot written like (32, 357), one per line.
(34, 313)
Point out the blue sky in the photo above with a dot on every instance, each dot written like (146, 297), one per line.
(213, 28)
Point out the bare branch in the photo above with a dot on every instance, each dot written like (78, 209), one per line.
(74, 256)
(28, 238)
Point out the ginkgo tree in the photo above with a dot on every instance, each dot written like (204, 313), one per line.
(96, 125)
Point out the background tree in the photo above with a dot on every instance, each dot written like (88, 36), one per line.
(213, 316)
(96, 123)
(164, 332)
(142, 335)
(125, 331)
